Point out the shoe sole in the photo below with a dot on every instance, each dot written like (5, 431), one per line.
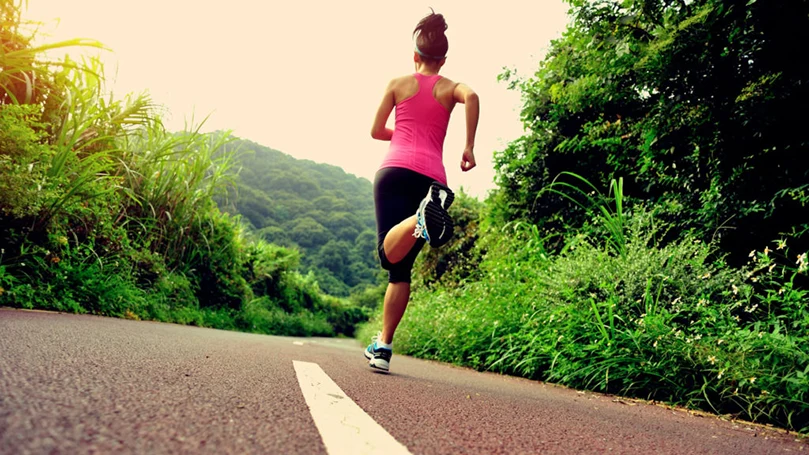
(435, 194)
(381, 366)
(438, 224)
(436, 218)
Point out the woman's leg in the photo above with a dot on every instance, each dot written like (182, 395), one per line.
(396, 298)
(397, 192)
(400, 240)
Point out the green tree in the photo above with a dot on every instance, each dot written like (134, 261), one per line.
(365, 248)
(308, 233)
(334, 256)
(276, 191)
(691, 102)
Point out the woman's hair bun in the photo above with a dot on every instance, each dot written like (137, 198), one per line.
(431, 42)
(433, 23)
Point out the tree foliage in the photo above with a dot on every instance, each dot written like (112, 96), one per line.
(316, 208)
(693, 103)
(102, 210)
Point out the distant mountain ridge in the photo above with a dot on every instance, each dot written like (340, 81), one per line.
(317, 208)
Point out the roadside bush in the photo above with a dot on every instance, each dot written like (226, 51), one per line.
(342, 315)
(25, 189)
(369, 297)
(669, 322)
(262, 316)
(458, 259)
(77, 280)
(105, 211)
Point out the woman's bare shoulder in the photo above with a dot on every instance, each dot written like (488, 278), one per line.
(402, 80)
(403, 87)
(446, 84)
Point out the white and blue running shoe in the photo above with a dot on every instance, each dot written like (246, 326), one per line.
(378, 357)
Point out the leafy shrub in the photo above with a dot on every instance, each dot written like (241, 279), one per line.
(690, 101)
(262, 316)
(369, 297)
(342, 315)
(104, 211)
(665, 322)
(75, 280)
(25, 188)
(458, 259)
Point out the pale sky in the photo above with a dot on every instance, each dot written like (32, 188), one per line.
(306, 77)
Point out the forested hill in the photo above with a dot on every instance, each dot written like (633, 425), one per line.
(317, 208)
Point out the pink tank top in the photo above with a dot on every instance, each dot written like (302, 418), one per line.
(418, 136)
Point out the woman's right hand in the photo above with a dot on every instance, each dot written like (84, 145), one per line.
(468, 159)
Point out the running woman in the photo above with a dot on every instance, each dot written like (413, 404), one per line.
(410, 188)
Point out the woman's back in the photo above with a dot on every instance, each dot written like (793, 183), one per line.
(423, 104)
(407, 86)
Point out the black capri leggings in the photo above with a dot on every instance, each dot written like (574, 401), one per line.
(397, 194)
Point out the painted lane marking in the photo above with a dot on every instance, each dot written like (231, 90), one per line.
(297, 343)
(344, 427)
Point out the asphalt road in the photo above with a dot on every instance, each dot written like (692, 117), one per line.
(85, 384)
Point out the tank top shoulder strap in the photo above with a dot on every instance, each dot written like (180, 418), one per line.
(426, 83)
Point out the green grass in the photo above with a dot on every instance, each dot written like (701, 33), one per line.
(668, 322)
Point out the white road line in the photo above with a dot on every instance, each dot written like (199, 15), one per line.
(344, 427)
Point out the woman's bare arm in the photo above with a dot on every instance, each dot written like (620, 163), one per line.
(465, 95)
(379, 130)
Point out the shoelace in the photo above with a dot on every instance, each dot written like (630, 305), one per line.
(419, 232)
(374, 339)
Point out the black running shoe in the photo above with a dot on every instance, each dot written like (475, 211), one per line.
(433, 222)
